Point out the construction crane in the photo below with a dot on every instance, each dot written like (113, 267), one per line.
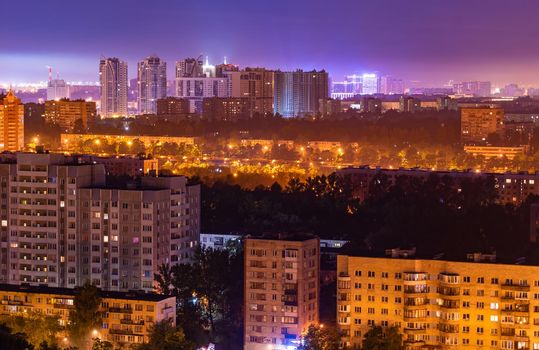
(195, 64)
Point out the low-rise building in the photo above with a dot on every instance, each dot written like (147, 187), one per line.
(127, 317)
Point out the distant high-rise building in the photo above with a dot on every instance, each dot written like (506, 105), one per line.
(282, 286)
(512, 90)
(391, 86)
(220, 69)
(113, 80)
(476, 124)
(189, 68)
(256, 84)
(57, 89)
(11, 123)
(196, 89)
(65, 113)
(474, 88)
(152, 84)
(370, 84)
(299, 93)
(208, 70)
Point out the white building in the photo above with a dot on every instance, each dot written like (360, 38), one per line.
(151, 84)
(369, 84)
(113, 92)
(196, 89)
(57, 89)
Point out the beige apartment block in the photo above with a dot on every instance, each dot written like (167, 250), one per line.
(281, 291)
(439, 304)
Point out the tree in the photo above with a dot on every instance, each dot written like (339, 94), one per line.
(12, 341)
(209, 294)
(101, 345)
(85, 317)
(321, 338)
(164, 336)
(378, 338)
(38, 328)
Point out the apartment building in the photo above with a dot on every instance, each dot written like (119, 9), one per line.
(476, 124)
(127, 317)
(11, 123)
(511, 187)
(126, 234)
(281, 286)
(61, 225)
(65, 113)
(439, 304)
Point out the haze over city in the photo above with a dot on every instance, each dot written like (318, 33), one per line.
(426, 42)
(269, 175)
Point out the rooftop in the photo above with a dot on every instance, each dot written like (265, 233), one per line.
(135, 295)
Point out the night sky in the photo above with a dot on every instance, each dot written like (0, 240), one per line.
(428, 41)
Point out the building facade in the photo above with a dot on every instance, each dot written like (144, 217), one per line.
(225, 108)
(474, 88)
(65, 113)
(439, 304)
(11, 123)
(127, 317)
(282, 286)
(298, 93)
(62, 226)
(151, 84)
(173, 106)
(196, 89)
(113, 92)
(57, 89)
(476, 124)
(255, 84)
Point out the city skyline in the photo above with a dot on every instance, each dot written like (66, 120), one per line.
(346, 38)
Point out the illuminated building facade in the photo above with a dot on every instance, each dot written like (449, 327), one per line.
(113, 91)
(172, 106)
(298, 93)
(439, 304)
(369, 84)
(227, 108)
(11, 123)
(65, 113)
(57, 89)
(474, 88)
(255, 84)
(63, 226)
(282, 285)
(127, 317)
(476, 124)
(151, 84)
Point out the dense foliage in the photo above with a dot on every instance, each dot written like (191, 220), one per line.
(434, 215)
(209, 295)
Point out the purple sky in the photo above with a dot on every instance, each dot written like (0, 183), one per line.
(429, 41)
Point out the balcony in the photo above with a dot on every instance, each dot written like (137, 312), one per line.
(121, 310)
(133, 322)
(517, 287)
(122, 331)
